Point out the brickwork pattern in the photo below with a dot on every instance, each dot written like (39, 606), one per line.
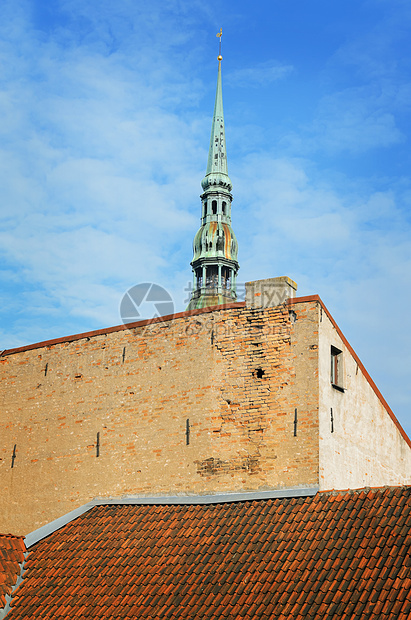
(203, 403)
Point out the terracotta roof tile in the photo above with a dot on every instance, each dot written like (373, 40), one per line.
(344, 555)
(12, 550)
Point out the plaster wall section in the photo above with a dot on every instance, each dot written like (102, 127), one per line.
(360, 444)
(199, 404)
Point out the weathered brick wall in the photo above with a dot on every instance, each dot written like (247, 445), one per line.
(237, 375)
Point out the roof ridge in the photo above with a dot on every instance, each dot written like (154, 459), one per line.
(218, 498)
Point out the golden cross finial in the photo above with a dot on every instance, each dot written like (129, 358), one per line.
(219, 35)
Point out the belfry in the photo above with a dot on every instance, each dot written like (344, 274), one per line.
(215, 246)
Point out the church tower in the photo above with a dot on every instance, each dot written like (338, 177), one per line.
(215, 246)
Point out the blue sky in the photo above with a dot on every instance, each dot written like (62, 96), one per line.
(106, 113)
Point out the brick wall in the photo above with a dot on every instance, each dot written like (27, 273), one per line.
(203, 403)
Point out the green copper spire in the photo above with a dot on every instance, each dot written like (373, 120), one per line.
(217, 157)
(215, 246)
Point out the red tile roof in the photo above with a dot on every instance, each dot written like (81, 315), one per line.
(345, 555)
(12, 551)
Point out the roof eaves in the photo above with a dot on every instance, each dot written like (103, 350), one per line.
(123, 327)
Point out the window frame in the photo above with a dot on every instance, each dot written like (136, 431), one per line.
(337, 369)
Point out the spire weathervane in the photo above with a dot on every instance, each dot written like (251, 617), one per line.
(219, 35)
(215, 246)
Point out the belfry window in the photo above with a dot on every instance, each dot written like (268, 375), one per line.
(199, 277)
(336, 368)
(205, 208)
(212, 276)
(214, 207)
(226, 277)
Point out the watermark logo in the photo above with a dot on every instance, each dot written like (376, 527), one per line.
(144, 302)
(149, 302)
(240, 292)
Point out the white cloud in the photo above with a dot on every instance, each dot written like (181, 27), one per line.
(356, 121)
(364, 90)
(349, 244)
(259, 74)
(103, 147)
(99, 171)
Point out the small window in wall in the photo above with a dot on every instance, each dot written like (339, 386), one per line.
(205, 208)
(224, 207)
(214, 207)
(337, 368)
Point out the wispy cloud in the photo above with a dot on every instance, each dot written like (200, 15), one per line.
(355, 121)
(364, 91)
(103, 145)
(260, 74)
(350, 245)
(99, 167)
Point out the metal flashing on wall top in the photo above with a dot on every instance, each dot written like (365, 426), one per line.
(44, 531)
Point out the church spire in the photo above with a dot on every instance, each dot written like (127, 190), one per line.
(217, 159)
(215, 246)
